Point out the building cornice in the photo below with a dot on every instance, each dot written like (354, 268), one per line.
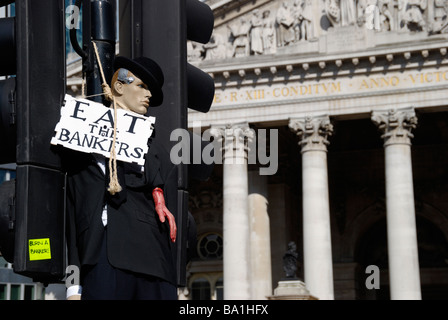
(406, 56)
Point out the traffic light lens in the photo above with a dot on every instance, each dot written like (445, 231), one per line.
(8, 135)
(8, 47)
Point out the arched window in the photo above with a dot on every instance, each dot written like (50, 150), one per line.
(200, 289)
(207, 287)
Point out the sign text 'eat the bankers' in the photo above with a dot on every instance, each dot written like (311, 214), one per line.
(87, 126)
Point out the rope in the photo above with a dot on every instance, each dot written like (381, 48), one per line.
(83, 85)
(114, 185)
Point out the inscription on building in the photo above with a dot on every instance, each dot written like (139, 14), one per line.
(331, 88)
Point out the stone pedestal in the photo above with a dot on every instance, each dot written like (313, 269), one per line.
(291, 290)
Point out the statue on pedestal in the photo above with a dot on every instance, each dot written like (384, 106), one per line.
(290, 261)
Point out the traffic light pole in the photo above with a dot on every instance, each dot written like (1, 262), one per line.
(148, 36)
(159, 29)
(40, 91)
(99, 26)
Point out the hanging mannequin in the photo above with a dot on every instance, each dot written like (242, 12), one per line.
(122, 239)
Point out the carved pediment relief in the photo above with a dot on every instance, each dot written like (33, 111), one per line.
(263, 27)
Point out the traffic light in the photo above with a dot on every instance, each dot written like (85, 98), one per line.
(32, 206)
(160, 29)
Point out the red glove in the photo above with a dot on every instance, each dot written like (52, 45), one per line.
(163, 212)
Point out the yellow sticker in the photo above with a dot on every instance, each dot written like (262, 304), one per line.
(39, 249)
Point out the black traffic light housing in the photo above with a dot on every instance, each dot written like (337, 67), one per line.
(160, 29)
(33, 49)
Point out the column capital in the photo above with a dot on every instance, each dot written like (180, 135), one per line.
(396, 125)
(234, 138)
(313, 131)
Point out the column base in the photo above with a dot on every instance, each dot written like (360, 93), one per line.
(291, 290)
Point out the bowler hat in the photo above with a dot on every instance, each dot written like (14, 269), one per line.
(148, 71)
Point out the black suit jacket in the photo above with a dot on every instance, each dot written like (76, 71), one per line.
(136, 240)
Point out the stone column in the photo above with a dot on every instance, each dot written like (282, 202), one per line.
(404, 274)
(260, 239)
(235, 210)
(318, 264)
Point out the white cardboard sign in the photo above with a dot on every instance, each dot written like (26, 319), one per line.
(88, 126)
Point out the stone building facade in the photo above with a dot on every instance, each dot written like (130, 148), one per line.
(331, 121)
(352, 97)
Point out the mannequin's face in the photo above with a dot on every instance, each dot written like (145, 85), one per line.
(134, 96)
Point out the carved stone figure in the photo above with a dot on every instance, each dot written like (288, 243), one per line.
(348, 12)
(361, 11)
(297, 11)
(307, 23)
(240, 33)
(216, 48)
(268, 33)
(194, 51)
(413, 17)
(439, 23)
(256, 33)
(402, 7)
(303, 20)
(386, 18)
(285, 21)
(372, 15)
